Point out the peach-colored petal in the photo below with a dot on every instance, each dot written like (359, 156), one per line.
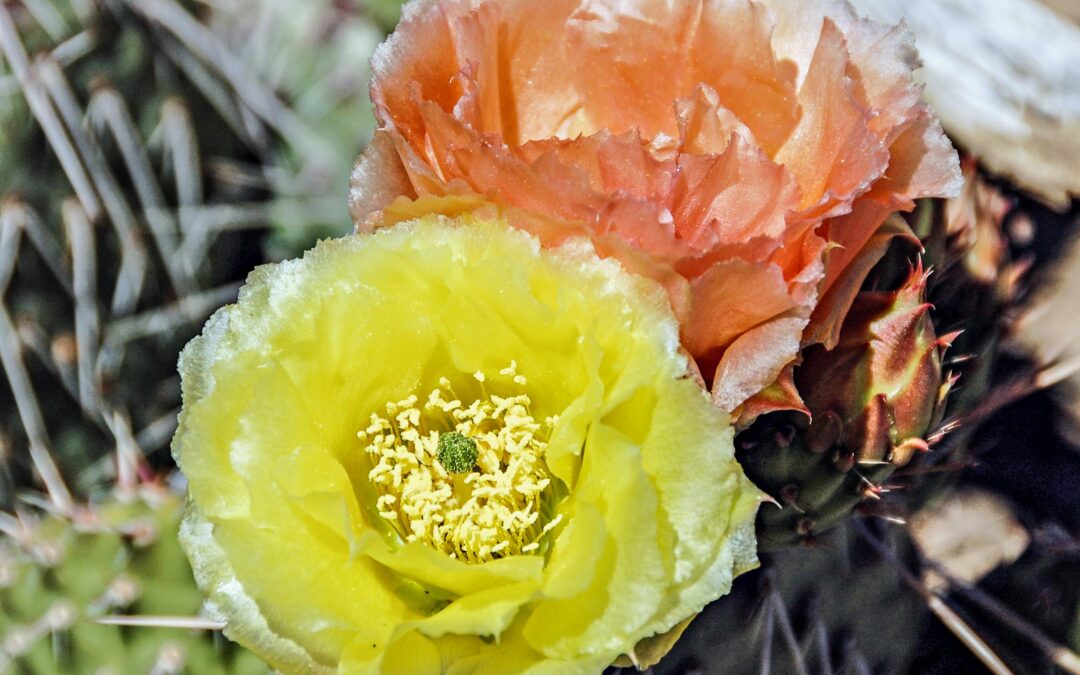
(417, 62)
(760, 250)
(882, 56)
(732, 53)
(705, 126)
(848, 235)
(479, 60)
(608, 163)
(378, 178)
(516, 80)
(882, 59)
(423, 176)
(731, 197)
(494, 170)
(832, 151)
(755, 360)
(624, 41)
(922, 163)
(731, 298)
(808, 262)
(568, 179)
(779, 396)
(404, 208)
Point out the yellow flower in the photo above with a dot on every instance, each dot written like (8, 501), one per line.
(438, 448)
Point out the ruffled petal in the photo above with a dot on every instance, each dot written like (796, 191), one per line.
(779, 396)
(732, 197)
(378, 178)
(832, 152)
(624, 41)
(755, 360)
(922, 163)
(730, 299)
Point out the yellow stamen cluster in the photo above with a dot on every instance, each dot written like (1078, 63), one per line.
(493, 510)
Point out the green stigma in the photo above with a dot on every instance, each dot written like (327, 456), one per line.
(457, 452)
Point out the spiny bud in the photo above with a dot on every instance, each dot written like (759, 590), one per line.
(883, 379)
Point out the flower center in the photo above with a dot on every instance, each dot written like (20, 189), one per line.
(470, 481)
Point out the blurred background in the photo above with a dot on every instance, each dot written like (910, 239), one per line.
(152, 152)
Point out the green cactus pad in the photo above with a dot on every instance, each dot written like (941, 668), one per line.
(58, 576)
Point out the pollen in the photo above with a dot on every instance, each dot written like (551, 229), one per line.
(467, 479)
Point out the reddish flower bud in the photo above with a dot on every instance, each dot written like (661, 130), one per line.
(883, 381)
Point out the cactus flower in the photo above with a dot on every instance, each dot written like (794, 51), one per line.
(744, 154)
(442, 448)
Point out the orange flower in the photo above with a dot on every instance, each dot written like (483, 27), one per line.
(744, 154)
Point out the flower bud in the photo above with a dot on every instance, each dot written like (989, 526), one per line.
(883, 381)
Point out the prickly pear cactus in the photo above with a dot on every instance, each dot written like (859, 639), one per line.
(872, 400)
(881, 410)
(59, 575)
